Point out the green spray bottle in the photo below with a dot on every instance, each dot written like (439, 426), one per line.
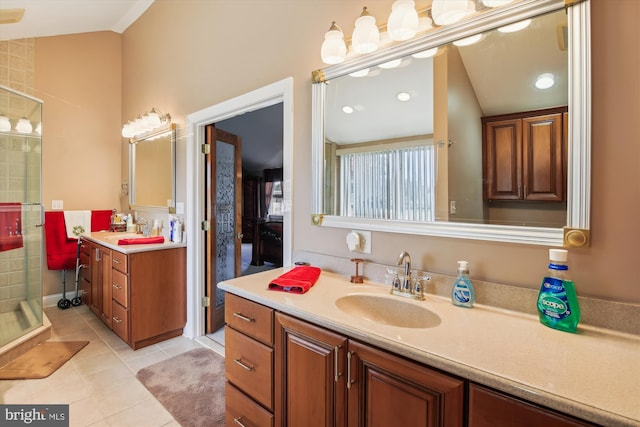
(557, 300)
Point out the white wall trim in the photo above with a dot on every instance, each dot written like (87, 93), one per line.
(281, 91)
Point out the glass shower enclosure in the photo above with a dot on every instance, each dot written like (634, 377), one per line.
(21, 215)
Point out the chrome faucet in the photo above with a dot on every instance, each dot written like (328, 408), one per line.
(408, 286)
(405, 259)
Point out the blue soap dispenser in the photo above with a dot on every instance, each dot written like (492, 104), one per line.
(462, 294)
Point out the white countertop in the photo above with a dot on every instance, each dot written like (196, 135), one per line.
(110, 240)
(593, 374)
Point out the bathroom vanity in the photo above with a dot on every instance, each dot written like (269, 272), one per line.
(138, 291)
(324, 358)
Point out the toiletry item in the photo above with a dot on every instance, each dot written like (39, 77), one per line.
(172, 227)
(131, 228)
(177, 232)
(557, 300)
(463, 294)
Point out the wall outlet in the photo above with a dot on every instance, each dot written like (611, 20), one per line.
(452, 207)
(56, 205)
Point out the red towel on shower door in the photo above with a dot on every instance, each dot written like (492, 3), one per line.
(10, 226)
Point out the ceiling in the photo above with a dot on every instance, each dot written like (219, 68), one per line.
(44, 18)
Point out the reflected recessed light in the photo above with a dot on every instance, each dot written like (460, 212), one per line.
(391, 64)
(545, 81)
(468, 40)
(360, 73)
(403, 96)
(426, 53)
(347, 109)
(517, 26)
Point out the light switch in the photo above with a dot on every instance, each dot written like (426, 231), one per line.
(56, 204)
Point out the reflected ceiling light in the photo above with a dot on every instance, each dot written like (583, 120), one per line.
(545, 81)
(426, 53)
(468, 40)
(148, 122)
(334, 49)
(496, 3)
(360, 73)
(24, 126)
(403, 21)
(403, 96)
(516, 26)
(445, 12)
(391, 64)
(366, 36)
(5, 124)
(347, 109)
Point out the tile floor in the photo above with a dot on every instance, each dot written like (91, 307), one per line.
(99, 383)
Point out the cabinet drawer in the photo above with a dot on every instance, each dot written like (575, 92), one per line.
(488, 408)
(120, 321)
(249, 366)
(250, 318)
(241, 410)
(119, 261)
(120, 291)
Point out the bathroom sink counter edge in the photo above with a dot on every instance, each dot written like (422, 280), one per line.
(593, 375)
(110, 240)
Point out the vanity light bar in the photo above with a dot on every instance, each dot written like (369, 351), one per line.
(148, 122)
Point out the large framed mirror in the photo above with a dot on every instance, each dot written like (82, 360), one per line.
(152, 170)
(440, 136)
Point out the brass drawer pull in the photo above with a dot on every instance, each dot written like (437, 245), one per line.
(336, 355)
(243, 317)
(115, 286)
(115, 261)
(115, 319)
(349, 380)
(237, 421)
(247, 367)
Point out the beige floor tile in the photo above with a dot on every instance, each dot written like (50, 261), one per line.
(178, 345)
(84, 413)
(137, 363)
(15, 391)
(106, 378)
(149, 413)
(172, 423)
(96, 363)
(123, 394)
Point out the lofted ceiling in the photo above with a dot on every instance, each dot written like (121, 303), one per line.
(44, 18)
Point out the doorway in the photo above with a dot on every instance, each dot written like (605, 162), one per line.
(279, 92)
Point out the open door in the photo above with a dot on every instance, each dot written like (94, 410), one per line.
(223, 186)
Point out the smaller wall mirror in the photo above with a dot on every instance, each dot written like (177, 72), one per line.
(152, 170)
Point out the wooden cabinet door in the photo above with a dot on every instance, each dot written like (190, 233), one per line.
(387, 390)
(503, 159)
(107, 286)
(543, 158)
(488, 408)
(96, 280)
(309, 375)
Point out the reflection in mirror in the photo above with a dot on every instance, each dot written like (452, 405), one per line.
(152, 169)
(398, 149)
(458, 132)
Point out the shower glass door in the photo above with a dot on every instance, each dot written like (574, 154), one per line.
(21, 214)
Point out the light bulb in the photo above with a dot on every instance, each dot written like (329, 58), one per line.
(24, 126)
(496, 3)
(366, 36)
(426, 53)
(5, 124)
(468, 40)
(403, 21)
(445, 12)
(545, 81)
(517, 26)
(334, 49)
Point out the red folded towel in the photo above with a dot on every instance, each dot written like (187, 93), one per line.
(297, 281)
(100, 219)
(10, 226)
(141, 240)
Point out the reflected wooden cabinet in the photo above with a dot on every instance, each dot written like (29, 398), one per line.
(524, 155)
(326, 379)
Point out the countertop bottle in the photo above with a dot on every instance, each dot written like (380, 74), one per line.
(557, 300)
(463, 294)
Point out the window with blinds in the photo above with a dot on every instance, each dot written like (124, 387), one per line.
(395, 184)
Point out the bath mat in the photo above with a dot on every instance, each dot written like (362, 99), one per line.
(190, 386)
(41, 361)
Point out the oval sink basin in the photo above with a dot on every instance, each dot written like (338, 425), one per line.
(390, 310)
